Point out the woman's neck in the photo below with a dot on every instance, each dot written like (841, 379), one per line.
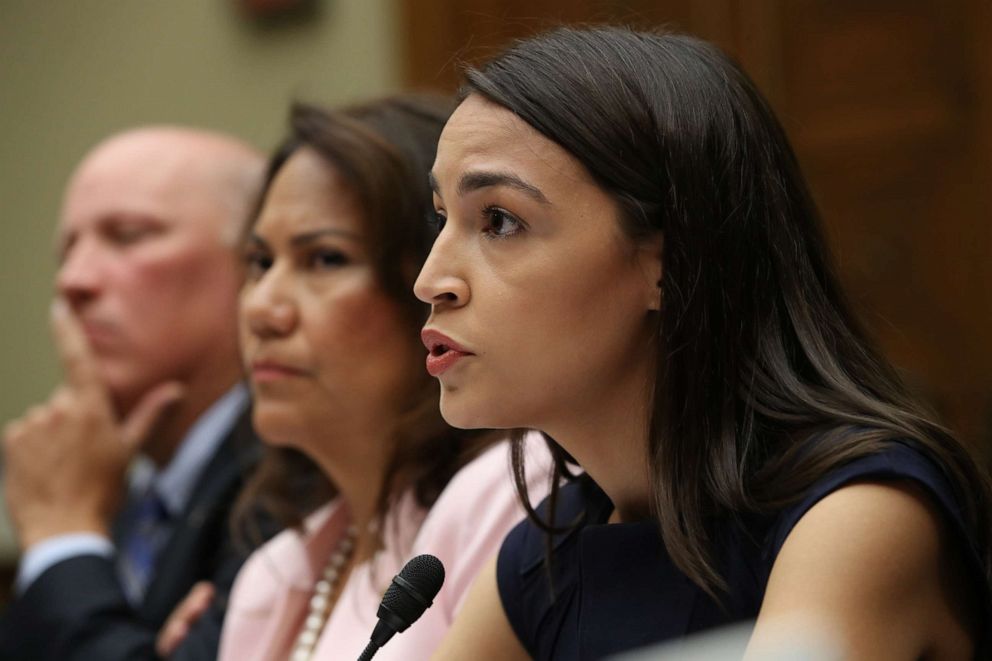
(356, 461)
(609, 440)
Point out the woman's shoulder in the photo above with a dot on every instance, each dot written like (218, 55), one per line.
(899, 461)
(578, 503)
(491, 466)
(283, 561)
(540, 592)
(898, 490)
(522, 565)
(295, 540)
(488, 479)
(883, 535)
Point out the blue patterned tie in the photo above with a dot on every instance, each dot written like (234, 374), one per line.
(141, 545)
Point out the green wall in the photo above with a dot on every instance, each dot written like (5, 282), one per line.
(74, 71)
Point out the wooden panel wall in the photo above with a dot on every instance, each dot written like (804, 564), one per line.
(889, 105)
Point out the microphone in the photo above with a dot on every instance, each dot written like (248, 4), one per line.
(407, 597)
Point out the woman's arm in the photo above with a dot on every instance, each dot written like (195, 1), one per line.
(481, 631)
(874, 569)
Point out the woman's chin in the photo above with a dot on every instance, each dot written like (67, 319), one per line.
(462, 413)
(276, 428)
(456, 414)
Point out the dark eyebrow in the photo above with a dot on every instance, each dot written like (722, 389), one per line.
(306, 237)
(473, 181)
(255, 240)
(310, 237)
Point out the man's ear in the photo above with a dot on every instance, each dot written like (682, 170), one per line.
(649, 254)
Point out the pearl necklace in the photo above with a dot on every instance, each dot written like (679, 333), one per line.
(323, 592)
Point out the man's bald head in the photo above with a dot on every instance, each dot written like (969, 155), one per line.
(149, 163)
(148, 264)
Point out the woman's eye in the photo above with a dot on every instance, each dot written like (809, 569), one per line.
(327, 259)
(438, 220)
(257, 263)
(501, 223)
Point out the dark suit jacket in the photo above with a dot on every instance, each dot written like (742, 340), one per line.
(77, 611)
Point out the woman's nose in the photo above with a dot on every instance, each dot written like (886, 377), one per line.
(268, 306)
(442, 282)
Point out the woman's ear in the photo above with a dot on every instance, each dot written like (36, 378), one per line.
(649, 254)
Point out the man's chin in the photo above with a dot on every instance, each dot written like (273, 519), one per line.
(124, 389)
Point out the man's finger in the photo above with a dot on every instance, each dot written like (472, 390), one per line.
(136, 428)
(183, 617)
(170, 637)
(199, 599)
(74, 351)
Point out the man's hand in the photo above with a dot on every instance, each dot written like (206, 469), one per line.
(65, 460)
(184, 616)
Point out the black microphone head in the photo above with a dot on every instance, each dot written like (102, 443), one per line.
(412, 591)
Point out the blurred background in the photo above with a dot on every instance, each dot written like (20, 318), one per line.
(888, 104)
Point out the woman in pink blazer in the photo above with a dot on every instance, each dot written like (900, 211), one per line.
(361, 466)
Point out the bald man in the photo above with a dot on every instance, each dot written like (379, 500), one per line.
(145, 327)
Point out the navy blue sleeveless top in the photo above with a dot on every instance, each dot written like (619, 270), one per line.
(615, 588)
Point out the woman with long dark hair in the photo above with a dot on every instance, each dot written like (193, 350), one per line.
(630, 262)
(361, 467)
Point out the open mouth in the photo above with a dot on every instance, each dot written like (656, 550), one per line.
(439, 349)
(442, 352)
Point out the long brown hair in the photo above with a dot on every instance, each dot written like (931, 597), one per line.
(383, 149)
(758, 352)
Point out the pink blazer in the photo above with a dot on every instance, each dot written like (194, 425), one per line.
(464, 529)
